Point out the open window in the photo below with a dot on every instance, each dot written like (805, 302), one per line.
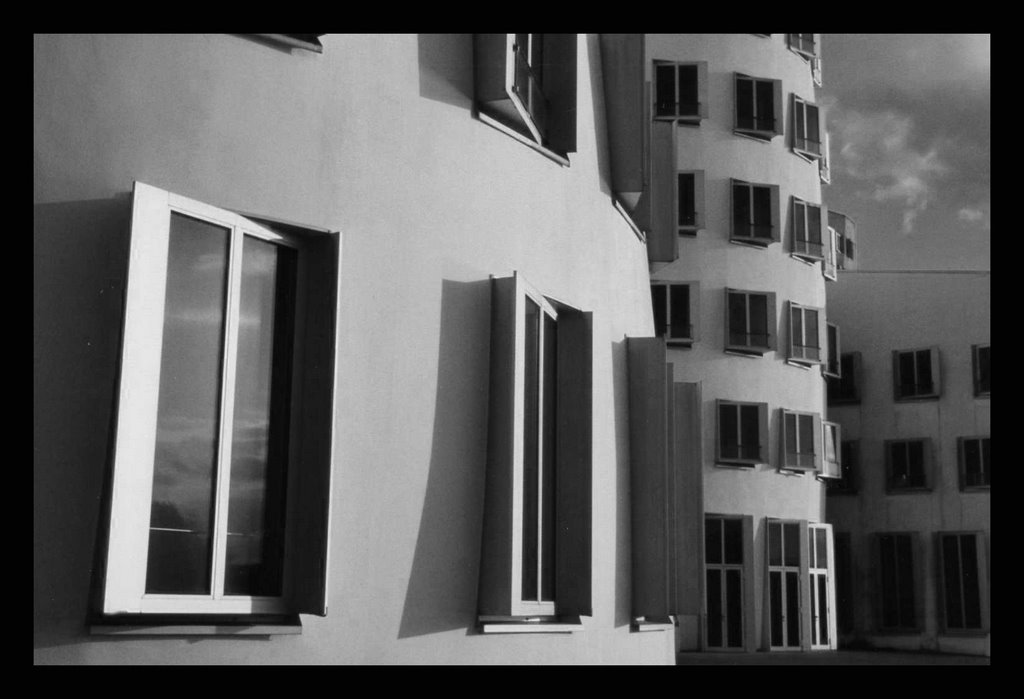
(676, 311)
(831, 458)
(222, 463)
(833, 366)
(801, 442)
(807, 45)
(810, 230)
(742, 437)
(681, 91)
(807, 128)
(915, 374)
(829, 265)
(536, 548)
(750, 321)
(755, 214)
(758, 105)
(806, 332)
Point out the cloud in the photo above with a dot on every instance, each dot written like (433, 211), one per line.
(878, 150)
(970, 215)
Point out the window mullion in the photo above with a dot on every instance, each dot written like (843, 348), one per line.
(227, 411)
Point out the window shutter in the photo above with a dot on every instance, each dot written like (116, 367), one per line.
(819, 445)
(762, 432)
(936, 376)
(776, 216)
(310, 561)
(652, 493)
(560, 89)
(698, 198)
(574, 453)
(702, 88)
(663, 237)
(778, 106)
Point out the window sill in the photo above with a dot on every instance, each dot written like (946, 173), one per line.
(749, 464)
(681, 119)
(642, 624)
(762, 136)
(752, 244)
(916, 399)
(831, 375)
(549, 154)
(809, 156)
(899, 632)
(193, 625)
(690, 231)
(748, 353)
(680, 343)
(494, 624)
(805, 364)
(983, 489)
(795, 470)
(808, 260)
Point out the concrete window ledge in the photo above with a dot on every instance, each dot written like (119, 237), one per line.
(644, 624)
(491, 624)
(161, 625)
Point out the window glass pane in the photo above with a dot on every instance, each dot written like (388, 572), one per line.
(531, 420)
(811, 340)
(905, 575)
(812, 127)
(733, 540)
(821, 547)
(915, 456)
(762, 212)
(549, 466)
(758, 320)
(986, 464)
(792, 609)
(728, 425)
(972, 591)
(791, 543)
(259, 452)
(744, 103)
(688, 89)
(796, 319)
(775, 603)
(188, 411)
(749, 430)
(800, 222)
(713, 540)
(685, 199)
(665, 89)
(951, 579)
(806, 425)
(775, 543)
(659, 303)
(984, 371)
(924, 372)
(734, 608)
(738, 320)
(822, 609)
(907, 375)
(814, 228)
(714, 599)
(680, 304)
(972, 462)
(765, 106)
(830, 443)
(890, 592)
(800, 123)
(791, 437)
(741, 210)
(898, 463)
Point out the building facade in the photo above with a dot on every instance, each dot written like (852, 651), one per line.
(912, 514)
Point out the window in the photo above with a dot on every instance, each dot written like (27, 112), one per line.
(810, 230)
(830, 264)
(742, 433)
(525, 84)
(845, 232)
(680, 91)
(845, 484)
(846, 388)
(897, 589)
(676, 311)
(833, 365)
(915, 373)
(807, 128)
(801, 441)
(758, 107)
(824, 163)
(832, 456)
(749, 321)
(804, 44)
(784, 596)
(690, 202)
(964, 581)
(223, 447)
(535, 560)
(975, 463)
(724, 582)
(755, 213)
(907, 464)
(806, 330)
(982, 370)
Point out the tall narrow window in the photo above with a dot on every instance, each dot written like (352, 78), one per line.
(801, 440)
(833, 365)
(975, 462)
(806, 128)
(982, 370)
(831, 466)
(809, 230)
(845, 484)
(723, 573)
(750, 318)
(754, 213)
(742, 433)
(784, 584)
(805, 334)
(961, 581)
(916, 373)
(758, 108)
(690, 202)
(907, 462)
(846, 389)
(897, 590)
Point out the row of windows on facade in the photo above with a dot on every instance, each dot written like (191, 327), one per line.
(899, 577)
(750, 324)
(916, 375)
(909, 464)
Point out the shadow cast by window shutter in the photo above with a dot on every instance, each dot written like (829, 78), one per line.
(573, 448)
(763, 433)
(662, 240)
(776, 213)
(777, 106)
(559, 86)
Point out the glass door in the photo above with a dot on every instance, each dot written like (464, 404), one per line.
(784, 606)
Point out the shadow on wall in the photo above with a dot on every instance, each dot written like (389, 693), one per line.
(597, 98)
(80, 251)
(446, 68)
(623, 522)
(442, 592)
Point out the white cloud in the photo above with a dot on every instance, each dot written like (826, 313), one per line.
(970, 215)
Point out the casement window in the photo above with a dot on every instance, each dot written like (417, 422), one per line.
(755, 213)
(816, 70)
(681, 91)
(806, 332)
(725, 579)
(690, 202)
(915, 374)
(807, 128)
(907, 465)
(846, 388)
(535, 558)
(810, 229)
(310, 42)
(526, 84)
(898, 595)
(845, 484)
(833, 365)
(758, 107)
(742, 438)
(831, 459)
(982, 370)
(804, 44)
(830, 264)
(964, 581)
(801, 442)
(824, 163)
(975, 463)
(750, 321)
(222, 461)
(676, 311)
(845, 232)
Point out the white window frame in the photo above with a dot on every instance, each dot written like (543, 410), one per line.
(702, 89)
(133, 471)
(817, 569)
(833, 355)
(783, 568)
(802, 145)
(800, 356)
(774, 223)
(800, 210)
(831, 444)
(812, 437)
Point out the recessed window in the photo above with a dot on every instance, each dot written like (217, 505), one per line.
(801, 441)
(807, 128)
(806, 331)
(982, 370)
(907, 464)
(675, 311)
(846, 388)
(211, 468)
(680, 91)
(742, 433)
(810, 229)
(916, 373)
(898, 590)
(963, 581)
(975, 462)
(758, 107)
(690, 202)
(804, 44)
(845, 484)
(755, 213)
(749, 321)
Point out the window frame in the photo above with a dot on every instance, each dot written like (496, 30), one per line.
(800, 358)
(774, 215)
(935, 369)
(771, 324)
(832, 367)
(758, 134)
(802, 248)
(762, 434)
(744, 568)
(891, 486)
(662, 329)
(699, 199)
(801, 142)
(980, 571)
(850, 377)
(831, 431)
(815, 435)
(979, 390)
(985, 466)
(133, 468)
(797, 44)
(830, 264)
(693, 118)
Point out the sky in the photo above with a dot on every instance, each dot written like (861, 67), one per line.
(909, 117)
